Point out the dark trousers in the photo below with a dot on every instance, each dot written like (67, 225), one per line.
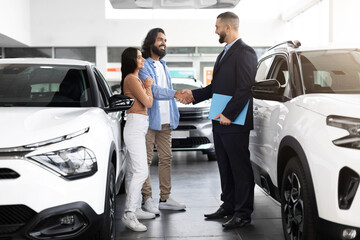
(236, 174)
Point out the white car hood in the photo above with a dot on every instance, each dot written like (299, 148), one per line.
(331, 104)
(22, 126)
(200, 105)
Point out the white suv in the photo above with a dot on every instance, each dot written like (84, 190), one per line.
(305, 146)
(61, 156)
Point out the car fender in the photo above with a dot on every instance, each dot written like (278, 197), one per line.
(288, 148)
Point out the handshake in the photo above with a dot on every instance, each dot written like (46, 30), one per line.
(184, 96)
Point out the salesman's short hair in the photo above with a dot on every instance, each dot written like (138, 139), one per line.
(230, 18)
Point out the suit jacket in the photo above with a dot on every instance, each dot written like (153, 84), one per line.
(233, 75)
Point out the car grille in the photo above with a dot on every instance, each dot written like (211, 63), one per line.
(13, 217)
(189, 142)
(185, 127)
(190, 115)
(6, 173)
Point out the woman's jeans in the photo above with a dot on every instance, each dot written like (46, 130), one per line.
(136, 169)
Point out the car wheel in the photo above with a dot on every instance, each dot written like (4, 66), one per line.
(211, 156)
(297, 209)
(107, 232)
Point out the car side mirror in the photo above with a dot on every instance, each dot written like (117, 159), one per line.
(267, 90)
(119, 103)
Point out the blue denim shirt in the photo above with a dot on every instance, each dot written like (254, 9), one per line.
(159, 93)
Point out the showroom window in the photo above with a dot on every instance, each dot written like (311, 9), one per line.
(179, 64)
(44, 52)
(78, 53)
(180, 50)
(114, 54)
(210, 50)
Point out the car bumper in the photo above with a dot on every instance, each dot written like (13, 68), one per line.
(334, 231)
(40, 193)
(193, 135)
(70, 221)
(327, 163)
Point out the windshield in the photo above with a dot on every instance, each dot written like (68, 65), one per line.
(43, 85)
(331, 71)
(180, 84)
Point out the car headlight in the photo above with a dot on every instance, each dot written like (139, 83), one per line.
(71, 163)
(352, 125)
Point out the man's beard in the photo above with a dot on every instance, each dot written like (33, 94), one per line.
(222, 36)
(158, 51)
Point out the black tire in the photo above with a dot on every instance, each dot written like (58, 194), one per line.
(211, 156)
(122, 187)
(107, 232)
(297, 209)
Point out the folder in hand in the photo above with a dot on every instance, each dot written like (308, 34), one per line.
(218, 104)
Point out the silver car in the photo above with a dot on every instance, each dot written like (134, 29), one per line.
(194, 132)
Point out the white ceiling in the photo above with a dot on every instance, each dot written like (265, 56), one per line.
(173, 4)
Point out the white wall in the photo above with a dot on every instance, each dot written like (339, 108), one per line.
(15, 25)
(345, 21)
(329, 22)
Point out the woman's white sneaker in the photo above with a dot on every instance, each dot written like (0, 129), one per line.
(129, 220)
(149, 206)
(141, 214)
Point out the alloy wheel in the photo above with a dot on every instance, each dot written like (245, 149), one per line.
(294, 207)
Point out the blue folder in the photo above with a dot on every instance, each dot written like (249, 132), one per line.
(218, 104)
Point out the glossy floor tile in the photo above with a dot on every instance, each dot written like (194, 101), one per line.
(196, 182)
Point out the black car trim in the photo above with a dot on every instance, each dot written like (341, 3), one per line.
(333, 231)
(263, 180)
(93, 221)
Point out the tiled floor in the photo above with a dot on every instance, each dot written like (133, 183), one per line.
(196, 183)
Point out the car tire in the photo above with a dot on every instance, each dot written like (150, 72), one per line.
(297, 209)
(122, 187)
(107, 231)
(211, 156)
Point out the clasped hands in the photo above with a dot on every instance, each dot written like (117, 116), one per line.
(186, 97)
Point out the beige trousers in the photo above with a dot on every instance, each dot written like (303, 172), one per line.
(162, 140)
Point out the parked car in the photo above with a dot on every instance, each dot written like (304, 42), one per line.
(61, 156)
(194, 132)
(305, 145)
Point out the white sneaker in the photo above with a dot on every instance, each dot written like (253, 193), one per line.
(141, 214)
(149, 206)
(171, 204)
(129, 220)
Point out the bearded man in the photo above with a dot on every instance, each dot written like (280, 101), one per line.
(163, 118)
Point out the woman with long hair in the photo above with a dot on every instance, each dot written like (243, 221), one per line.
(137, 123)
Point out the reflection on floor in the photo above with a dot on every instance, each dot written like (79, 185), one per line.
(195, 182)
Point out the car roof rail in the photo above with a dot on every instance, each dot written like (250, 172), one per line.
(294, 44)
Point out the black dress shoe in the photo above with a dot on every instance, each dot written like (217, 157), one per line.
(236, 222)
(220, 213)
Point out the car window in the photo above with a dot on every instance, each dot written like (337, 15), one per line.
(263, 69)
(331, 71)
(280, 72)
(44, 85)
(103, 87)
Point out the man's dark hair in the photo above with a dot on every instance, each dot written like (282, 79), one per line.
(149, 41)
(128, 64)
(230, 18)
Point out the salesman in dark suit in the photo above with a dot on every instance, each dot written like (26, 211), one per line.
(233, 75)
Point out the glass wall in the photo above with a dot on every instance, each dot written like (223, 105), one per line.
(44, 52)
(79, 53)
